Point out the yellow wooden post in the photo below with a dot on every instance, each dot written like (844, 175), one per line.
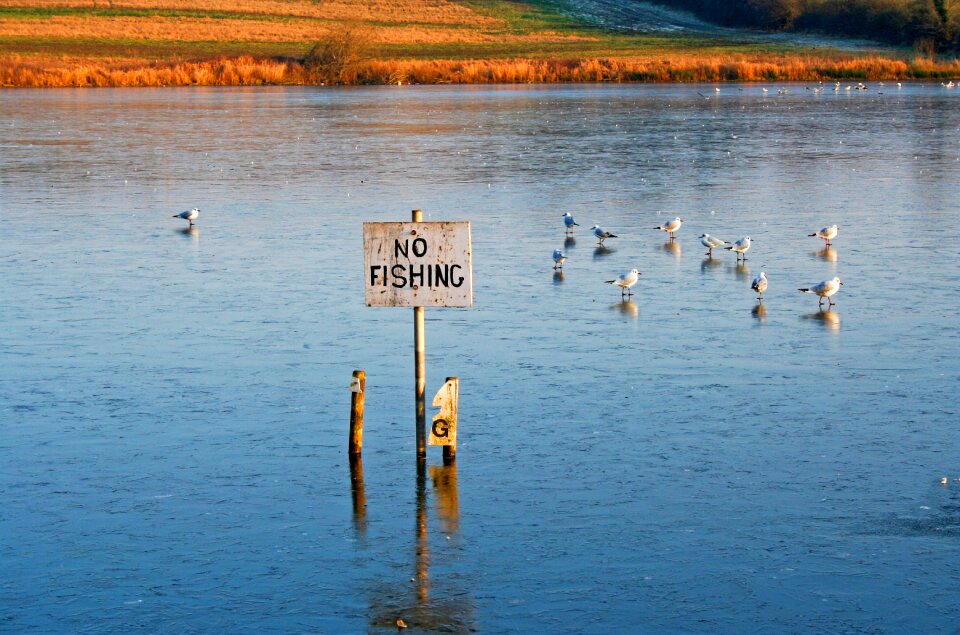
(358, 387)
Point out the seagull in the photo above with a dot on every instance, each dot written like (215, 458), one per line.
(602, 234)
(711, 242)
(625, 281)
(824, 289)
(741, 247)
(190, 215)
(899, 85)
(827, 233)
(760, 285)
(569, 223)
(671, 227)
(558, 258)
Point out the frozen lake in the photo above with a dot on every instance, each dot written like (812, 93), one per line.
(174, 405)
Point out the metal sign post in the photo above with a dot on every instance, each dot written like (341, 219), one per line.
(418, 264)
(420, 365)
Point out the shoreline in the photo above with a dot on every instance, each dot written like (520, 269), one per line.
(35, 72)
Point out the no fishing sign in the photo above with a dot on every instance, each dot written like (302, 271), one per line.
(418, 264)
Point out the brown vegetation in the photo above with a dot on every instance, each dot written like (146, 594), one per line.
(350, 70)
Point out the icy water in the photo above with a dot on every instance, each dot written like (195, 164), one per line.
(174, 405)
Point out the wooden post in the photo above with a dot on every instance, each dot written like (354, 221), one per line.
(420, 353)
(450, 451)
(357, 493)
(358, 389)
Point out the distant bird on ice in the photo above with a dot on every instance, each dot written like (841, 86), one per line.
(569, 223)
(671, 227)
(825, 290)
(190, 215)
(558, 258)
(625, 281)
(602, 234)
(740, 247)
(711, 242)
(827, 233)
(760, 285)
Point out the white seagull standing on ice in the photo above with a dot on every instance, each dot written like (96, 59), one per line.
(760, 285)
(671, 227)
(558, 258)
(625, 281)
(602, 234)
(569, 223)
(711, 242)
(824, 289)
(741, 247)
(190, 215)
(827, 233)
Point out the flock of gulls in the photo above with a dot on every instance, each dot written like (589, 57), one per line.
(825, 289)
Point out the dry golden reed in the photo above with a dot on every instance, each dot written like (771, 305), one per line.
(19, 72)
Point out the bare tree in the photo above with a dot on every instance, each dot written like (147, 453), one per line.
(332, 56)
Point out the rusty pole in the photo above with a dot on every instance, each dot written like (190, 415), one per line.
(357, 392)
(420, 352)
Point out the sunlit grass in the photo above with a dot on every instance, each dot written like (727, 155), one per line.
(182, 42)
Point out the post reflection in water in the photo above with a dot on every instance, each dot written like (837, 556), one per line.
(829, 318)
(433, 604)
(358, 495)
(444, 478)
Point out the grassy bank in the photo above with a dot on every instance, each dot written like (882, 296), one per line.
(234, 42)
(245, 70)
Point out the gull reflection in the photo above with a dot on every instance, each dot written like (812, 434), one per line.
(424, 604)
(759, 311)
(569, 242)
(601, 251)
(672, 247)
(829, 318)
(189, 232)
(828, 254)
(558, 277)
(741, 271)
(628, 308)
(709, 263)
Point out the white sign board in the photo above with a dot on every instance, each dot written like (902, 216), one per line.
(418, 264)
